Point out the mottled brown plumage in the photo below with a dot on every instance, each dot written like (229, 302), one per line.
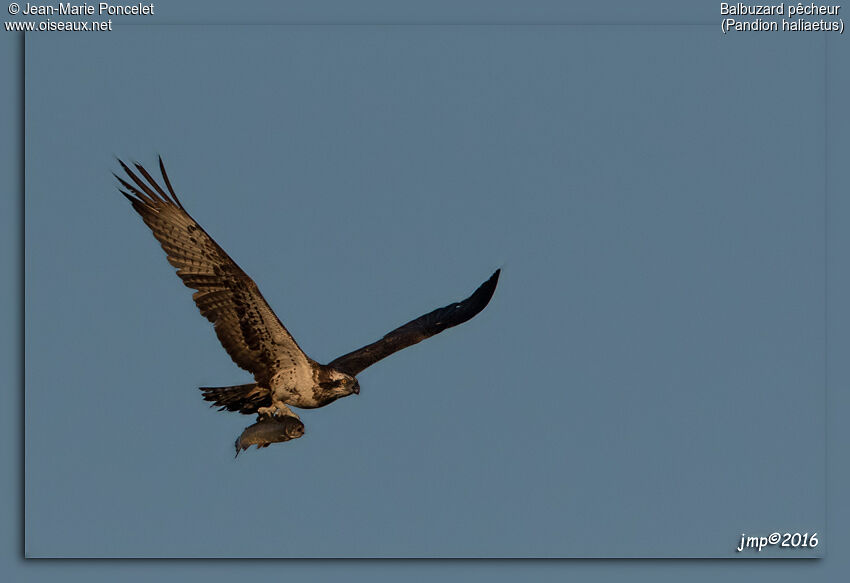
(250, 331)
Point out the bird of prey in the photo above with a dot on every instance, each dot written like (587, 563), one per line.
(253, 335)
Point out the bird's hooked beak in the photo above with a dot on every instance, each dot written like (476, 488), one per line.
(356, 387)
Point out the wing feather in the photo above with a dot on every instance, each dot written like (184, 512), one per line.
(418, 330)
(246, 326)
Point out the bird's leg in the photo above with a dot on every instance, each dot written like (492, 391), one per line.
(284, 411)
(266, 411)
(277, 409)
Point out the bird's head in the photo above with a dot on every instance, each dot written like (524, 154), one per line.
(339, 384)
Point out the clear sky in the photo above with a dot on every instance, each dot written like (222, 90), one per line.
(652, 363)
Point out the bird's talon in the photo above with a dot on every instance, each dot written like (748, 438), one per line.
(266, 411)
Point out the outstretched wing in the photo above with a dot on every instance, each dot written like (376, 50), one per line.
(418, 330)
(245, 324)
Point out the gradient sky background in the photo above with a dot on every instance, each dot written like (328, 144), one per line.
(665, 297)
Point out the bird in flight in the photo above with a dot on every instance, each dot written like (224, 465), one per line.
(253, 335)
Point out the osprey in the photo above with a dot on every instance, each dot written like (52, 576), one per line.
(253, 335)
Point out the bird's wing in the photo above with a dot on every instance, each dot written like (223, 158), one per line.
(245, 324)
(418, 330)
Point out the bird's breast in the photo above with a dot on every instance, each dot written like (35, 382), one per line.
(299, 388)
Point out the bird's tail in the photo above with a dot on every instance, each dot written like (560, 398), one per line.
(243, 398)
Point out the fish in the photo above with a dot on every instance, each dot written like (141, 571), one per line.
(268, 430)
